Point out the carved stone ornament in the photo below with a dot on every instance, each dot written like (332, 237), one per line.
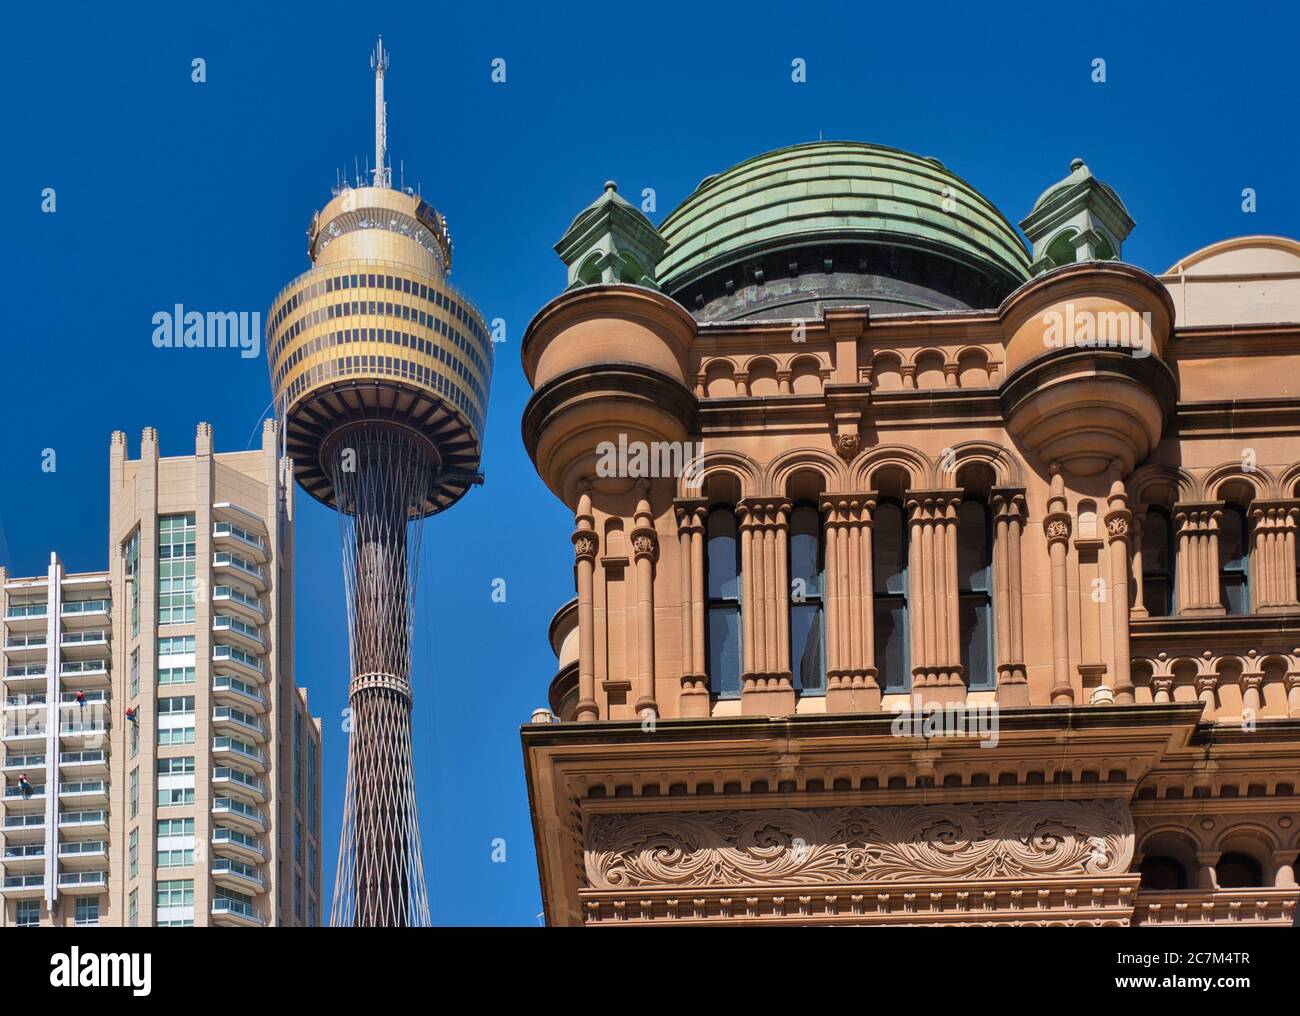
(860, 844)
(1058, 529)
(847, 445)
(1117, 526)
(643, 544)
(584, 546)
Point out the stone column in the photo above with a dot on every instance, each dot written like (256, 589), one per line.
(1197, 526)
(692, 514)
(585, 542)
(1057, 526)
(1205, 875)
(851, 684)
(1273, 556)
(645, 551)
(1008, 521)
(766, 684)
(1284, 869)
(1163, 688)
(1206, 685)
(932, 568)
(1293, 687)
(1118, 520)
(1139, 603)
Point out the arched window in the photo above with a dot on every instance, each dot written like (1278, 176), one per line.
(807, 618)
(975, 593)
(1157, 563)
(723, 575)
(889, 586)
(1238, 871)
(1234, 559)
(1162, 873)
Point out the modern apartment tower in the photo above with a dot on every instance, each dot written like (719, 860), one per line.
(174, 768)
(381, 373)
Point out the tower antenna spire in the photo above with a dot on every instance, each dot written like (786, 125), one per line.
(383, 175)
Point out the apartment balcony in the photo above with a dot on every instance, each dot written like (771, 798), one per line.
(239, 567)
(14, 763)
(239, 632)
(235, 914)
(83, 882)
(83, 854)
(239, 815)
(230, 691)
(68, 701)
(23, 828)
(75, 733)
(23, 859)
(18, 803)
(237, 875)
(23, 887)
(238, 724)
(19, 737)
(91, 762)
(236, 751)
(26, 677)
(240, 602)
(80, 614)
(26, 618)
(20, 648)
(244, 786)
(241, 540)
(237, 844)
(83, 823)
(80, 793)
(84, 645)
(85, 673)
(236, 662)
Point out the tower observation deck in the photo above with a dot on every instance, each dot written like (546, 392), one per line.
(381, 372)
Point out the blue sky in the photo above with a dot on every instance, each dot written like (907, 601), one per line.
(174, 192)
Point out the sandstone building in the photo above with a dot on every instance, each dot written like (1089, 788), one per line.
(923, 574)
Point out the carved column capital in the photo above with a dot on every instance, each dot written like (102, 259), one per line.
(585, 544)
(1057, 527)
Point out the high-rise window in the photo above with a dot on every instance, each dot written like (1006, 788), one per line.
(175, 902)
(723, 628)
(133, 908)
(176, 720)
(1234, 559)
(889, 582)
(975, 593)
(807, 618)
(297, 759)
(134, 797)
(131, 567)
(1157, 562)
(27, 913)
(133, 853)
(176, 781)
(176, 568)
(87, 912)
(135, 671)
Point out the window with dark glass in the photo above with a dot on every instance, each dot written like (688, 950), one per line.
(1157, 563)
(975, 593)
(1234, 560)
(807, 618)
(723, 623)
(889, 587)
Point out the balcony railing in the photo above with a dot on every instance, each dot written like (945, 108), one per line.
(85, 758)
(29, 670)
(223, 836)
(19, 611)
(24, 761)
(84, 607)
(240, 777)
(83, 787)
(233, 807)
(83, 878)
(84, 667)
(238, 596)
(69, 698)
(223, 865)
(224, 622)
(24, 821)
(224, 905)
(230, 653)
(77, 848)
(227, 560)
(25, 642)
(223, 683)
(80, 818)
(31, 852)
(25, 881)
(239, 533)
(18, 792)
(76, 638)
(37, 699)
(238, 747)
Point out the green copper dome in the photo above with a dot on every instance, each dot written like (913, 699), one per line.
(839, 210)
